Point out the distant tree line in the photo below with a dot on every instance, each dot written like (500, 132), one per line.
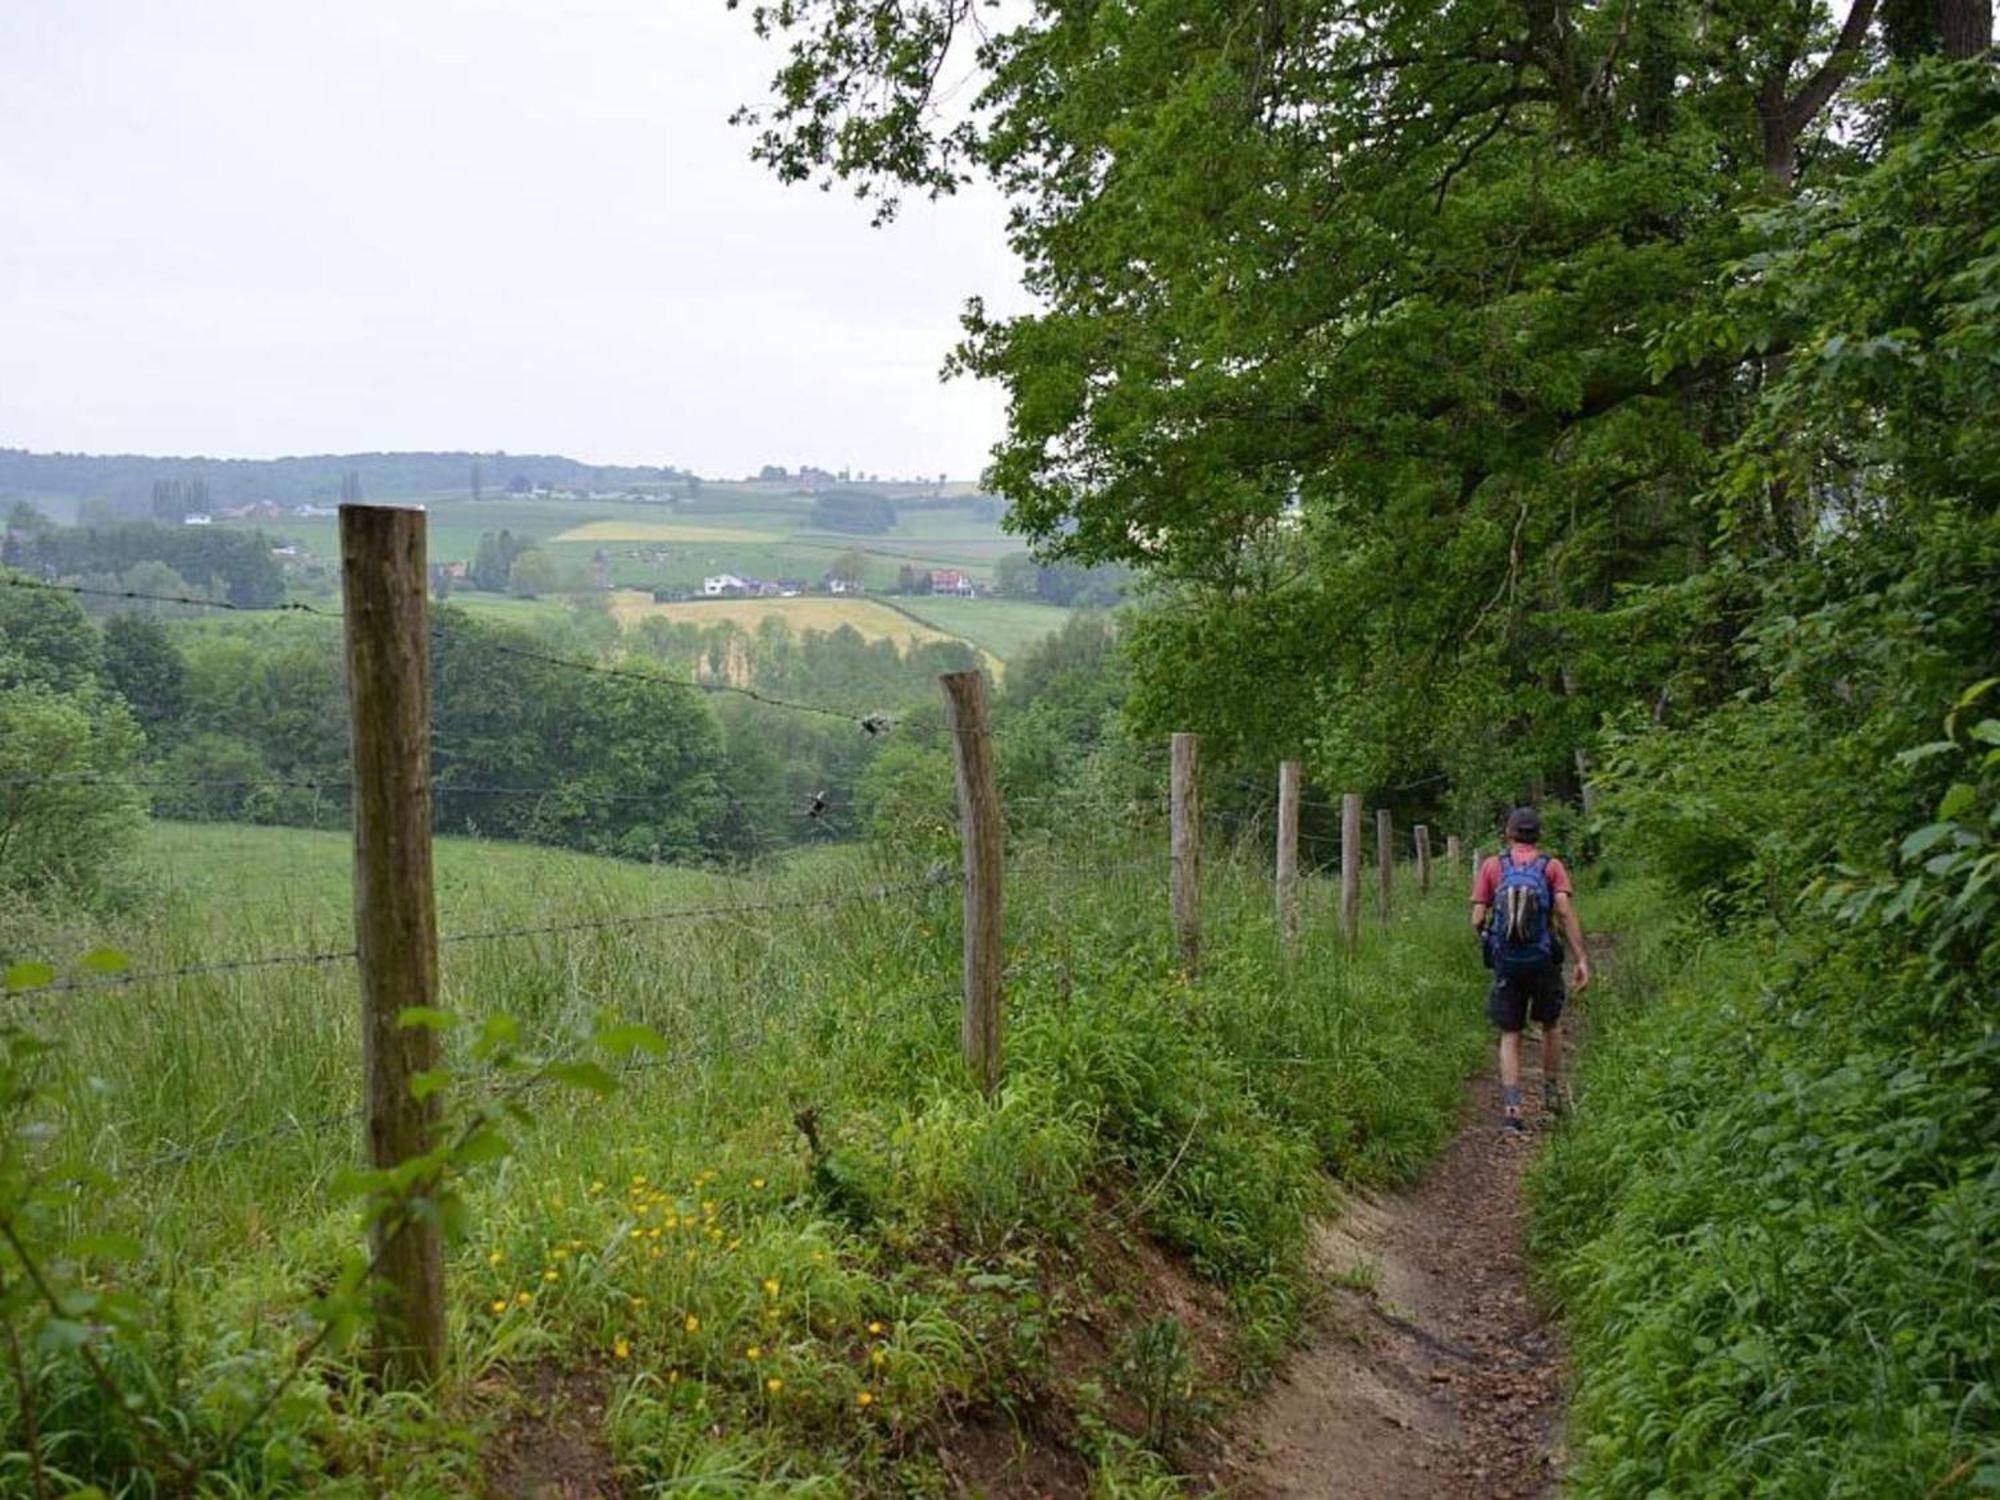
(114, 486)
(859, 511)
(1021, 576)
(233, 565)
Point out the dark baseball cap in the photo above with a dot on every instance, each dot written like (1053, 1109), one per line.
(1524, 825)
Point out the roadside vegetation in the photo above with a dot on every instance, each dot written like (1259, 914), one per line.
(795, 1249)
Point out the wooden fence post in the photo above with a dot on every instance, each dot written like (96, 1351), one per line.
(1350, 867)
(1385, 856)
(1423, 837)
(1186, 849)
(1452, 852)
(1289, 774)
(979, 837)
(395, 917)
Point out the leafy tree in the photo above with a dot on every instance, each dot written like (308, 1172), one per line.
(46, 640)
(1014, 576)
(66, 819)
(141, 664)
(1344, 330)
(532, 572)
(849, 566)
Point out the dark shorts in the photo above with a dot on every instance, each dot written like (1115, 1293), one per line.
(1515, 998)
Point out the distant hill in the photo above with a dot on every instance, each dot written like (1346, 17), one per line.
(122, 484)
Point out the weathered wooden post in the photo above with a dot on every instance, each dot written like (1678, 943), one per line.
(1350, 867)
(1289, 776)
(1385, 856)
(395, 916)
(1186, 848)
(1423, 840)
(1452, 853)
(979, 837)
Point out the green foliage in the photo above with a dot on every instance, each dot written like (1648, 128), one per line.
(793, 1235)
(859, 511)
(46, 640)
(238, 565)
(66, 820)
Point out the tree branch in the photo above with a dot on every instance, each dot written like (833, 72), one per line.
(1814, 93)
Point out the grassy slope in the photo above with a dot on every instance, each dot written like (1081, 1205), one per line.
(1770, 1228)
(676, 1243)
(1006, 627)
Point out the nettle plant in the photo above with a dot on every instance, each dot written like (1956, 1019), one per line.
(87, 1342)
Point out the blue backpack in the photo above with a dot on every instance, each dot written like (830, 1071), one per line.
(1520, 932)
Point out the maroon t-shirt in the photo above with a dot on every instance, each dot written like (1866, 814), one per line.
(1487, 881)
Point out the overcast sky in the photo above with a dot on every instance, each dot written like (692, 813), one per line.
(256, 227)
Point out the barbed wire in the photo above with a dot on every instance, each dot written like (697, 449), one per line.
(241, 1140)
(876, 723)
(341, 784)
(17, 581)
(699, 913)
(117, 979)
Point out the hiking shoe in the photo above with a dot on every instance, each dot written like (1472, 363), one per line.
(1515, 1125)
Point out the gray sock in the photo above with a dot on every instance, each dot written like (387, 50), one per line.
(1510, 1095)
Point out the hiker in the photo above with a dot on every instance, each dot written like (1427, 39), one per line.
(1517, 895)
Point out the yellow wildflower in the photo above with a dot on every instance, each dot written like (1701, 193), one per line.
(524, 1298)
(495, 1258)
(499, 1306)
(774, 1385)
(754, 1352)
(691, 1323)
(551, 1274)
(757, 1183)
(875, 1327)
(621, 1348)
(877, 1358)
(866, 1398)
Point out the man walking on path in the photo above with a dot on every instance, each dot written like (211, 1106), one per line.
(1517, 897)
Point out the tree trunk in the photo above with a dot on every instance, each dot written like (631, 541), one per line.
(1965, 27)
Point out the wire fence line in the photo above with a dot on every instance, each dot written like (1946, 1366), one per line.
(872, 722)
(140, 596)
(339, 784)
(938, 876)
(234, 1141)
(123, 978)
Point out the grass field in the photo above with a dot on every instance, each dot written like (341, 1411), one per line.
(1003, 627)
(599, 532)
(875, 621)
(712, 1304)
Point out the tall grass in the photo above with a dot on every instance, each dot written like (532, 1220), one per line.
(763, 1310)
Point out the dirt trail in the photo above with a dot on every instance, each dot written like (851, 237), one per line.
(1441, 1380)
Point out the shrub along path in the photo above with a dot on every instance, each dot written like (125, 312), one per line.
(1435, 1374)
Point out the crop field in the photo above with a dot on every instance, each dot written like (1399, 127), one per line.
(875, 621)
(597, 533)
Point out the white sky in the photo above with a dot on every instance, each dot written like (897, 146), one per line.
(255, 227)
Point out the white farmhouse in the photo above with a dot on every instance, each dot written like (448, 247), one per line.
(722, 585)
